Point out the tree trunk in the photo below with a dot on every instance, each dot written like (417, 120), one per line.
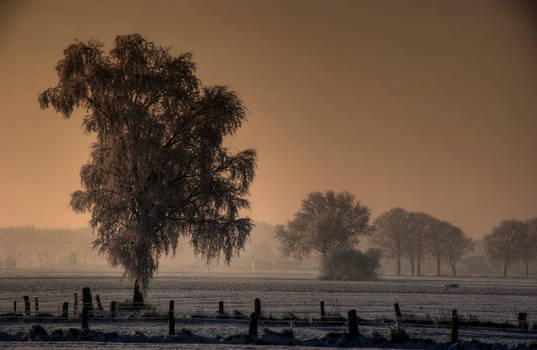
(412, 265)
(398, 265)
(527, 274)
(453, 268)
(505, 268)
(438, 265)
(419, 266)
(137, 298)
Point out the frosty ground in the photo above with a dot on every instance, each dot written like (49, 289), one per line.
(196, 301)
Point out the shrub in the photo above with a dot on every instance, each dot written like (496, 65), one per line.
(398, 335)
(352, 265)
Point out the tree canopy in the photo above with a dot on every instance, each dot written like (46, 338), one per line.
(456, 246)
(505, 242)
(158, 168)
(326, 223)
(418, 235)
(391, 232)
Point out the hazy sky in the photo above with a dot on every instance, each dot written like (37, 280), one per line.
(427, 105)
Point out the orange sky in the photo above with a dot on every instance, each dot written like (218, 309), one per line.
(427, 105)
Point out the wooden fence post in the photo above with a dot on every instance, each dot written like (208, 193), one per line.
(454, 327)
(113, 308)
(522, 320)
(26, 306)
(252, 329)
(65, 309)
(15, 307)
(75, 306)
(87, 300)
(220, 308)
(36, 300)
(257, 306)
(397, 310)
(171, 319)
(322, 309)
(85, 325)
(99, 305)
(353, 324)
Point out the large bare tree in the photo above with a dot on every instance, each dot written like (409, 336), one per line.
(158, 169)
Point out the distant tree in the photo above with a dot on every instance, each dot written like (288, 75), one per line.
(326, 223)
(436, 241)
(72, 259)
(415, 247)
(10, 262)
(526, 245)
(352, 265)
(457, 245)
(503, 242)
(391, 232)
(158, 169)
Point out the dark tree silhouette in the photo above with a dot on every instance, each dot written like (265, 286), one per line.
(503, 242)
(158, 168)
(414, 248)
(456, 246)
(352, 265)
(391, 231)
(436, 241)
(526, 245)
(325, 223)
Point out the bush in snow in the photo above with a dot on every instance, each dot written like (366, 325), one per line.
(352, 265)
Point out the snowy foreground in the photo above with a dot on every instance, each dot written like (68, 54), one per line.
(196, 300)
(65, 338)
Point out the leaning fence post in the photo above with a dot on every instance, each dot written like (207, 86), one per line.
(257, 306)
(454, 327)
(85, 326)
(65, 309)
(75, 307)
(26, 305)
(353, 324)
(220, 308)
(15, 307)
(252, 329)
(36, 300)
(171, 319)
(99, 305)
(322, 309)
(397, 310)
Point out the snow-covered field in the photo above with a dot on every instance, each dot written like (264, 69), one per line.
(485, 299)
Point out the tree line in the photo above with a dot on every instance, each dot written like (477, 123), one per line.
(416, 236)
(331, 224)
(513, 241)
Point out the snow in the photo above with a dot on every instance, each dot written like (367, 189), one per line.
(485, 299)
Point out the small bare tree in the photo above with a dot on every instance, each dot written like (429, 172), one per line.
(503, 243)
(527, 245)
(391, 233)
(457, 245)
